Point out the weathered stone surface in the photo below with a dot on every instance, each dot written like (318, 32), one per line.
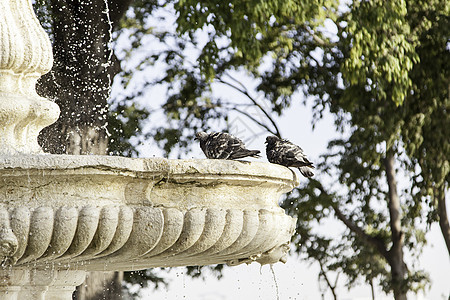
(63, 215)
(115, 213)
(25, 55)
(47, 284)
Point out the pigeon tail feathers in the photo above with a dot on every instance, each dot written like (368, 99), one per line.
(244, 153)
(306, 171)
(255, 153)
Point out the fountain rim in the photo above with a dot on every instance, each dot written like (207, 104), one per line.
(175, 169)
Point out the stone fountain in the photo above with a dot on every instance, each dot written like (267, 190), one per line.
(64, 215)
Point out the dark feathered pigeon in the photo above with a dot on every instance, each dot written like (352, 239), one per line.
(287, 154)
(221, 145)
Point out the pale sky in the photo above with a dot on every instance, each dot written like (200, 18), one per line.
(296, 279)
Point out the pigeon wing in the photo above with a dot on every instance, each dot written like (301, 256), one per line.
(238, 149)
(234, 146)
(221, 145)
(296, 158)
(274, 156)
(216, 146)
(293, 155)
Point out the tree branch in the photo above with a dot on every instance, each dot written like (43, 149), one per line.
(253, 119)
(368, 239)
(374, 242)
(318, 39)
(244, 91)
(324, 275)
(238, 82)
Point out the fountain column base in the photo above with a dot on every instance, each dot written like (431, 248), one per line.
(39, 284)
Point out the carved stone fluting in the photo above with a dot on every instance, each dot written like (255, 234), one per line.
(124, 238)
(113, 213)
(25, 55)
(100, 213)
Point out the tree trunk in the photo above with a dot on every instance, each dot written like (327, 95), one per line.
(79, 82)
(395, 254)
(372, 289)
(80, 79)
(443, 217)
(101, 285)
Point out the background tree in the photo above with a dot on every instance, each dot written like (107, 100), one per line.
(383, 74)
(368, 76)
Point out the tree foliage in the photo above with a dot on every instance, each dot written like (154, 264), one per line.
(383, 72)
(387, 89)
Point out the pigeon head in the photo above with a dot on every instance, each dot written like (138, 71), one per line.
(271, 139)
(200, 135)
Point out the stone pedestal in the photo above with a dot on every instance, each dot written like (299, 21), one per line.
(17, 284)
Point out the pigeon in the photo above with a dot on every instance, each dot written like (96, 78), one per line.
(221, 145)
(287, 154)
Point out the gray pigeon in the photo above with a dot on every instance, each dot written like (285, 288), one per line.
(221, 145)
(287, 154)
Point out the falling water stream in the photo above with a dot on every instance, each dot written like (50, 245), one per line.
(108, 63)
(275, 281)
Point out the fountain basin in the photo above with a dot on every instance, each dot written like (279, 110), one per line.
(64, 215)
(115, 213)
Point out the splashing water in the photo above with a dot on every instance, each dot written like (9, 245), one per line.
(106, 12)
(108, 63)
